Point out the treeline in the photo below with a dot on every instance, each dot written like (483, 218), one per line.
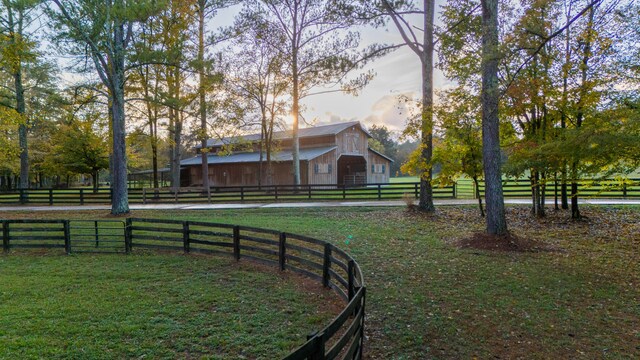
(89, 85)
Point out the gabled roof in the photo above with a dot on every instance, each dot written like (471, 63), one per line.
(381, 155)
(254, 157)
(331, 129)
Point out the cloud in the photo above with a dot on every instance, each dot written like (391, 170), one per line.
(391, 112)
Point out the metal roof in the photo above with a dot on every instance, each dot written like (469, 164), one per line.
(253, 157)
(331, 129)
(381, 154)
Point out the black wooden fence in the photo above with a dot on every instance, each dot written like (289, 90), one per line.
(273, 193)
(341, 339)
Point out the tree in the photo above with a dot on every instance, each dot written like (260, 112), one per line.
(81, 149)
(496, 220)
(257, 78)
(17, 50)
(319, 50)
(460, 149)
(105, 30)
(424, 49)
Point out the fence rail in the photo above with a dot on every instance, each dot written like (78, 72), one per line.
(343, 338)
(273, 193)
(629, 189)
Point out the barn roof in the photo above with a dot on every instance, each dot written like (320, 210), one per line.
(252, 157)
(331, 129)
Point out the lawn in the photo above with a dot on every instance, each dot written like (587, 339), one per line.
(153, 306)
(427, 298)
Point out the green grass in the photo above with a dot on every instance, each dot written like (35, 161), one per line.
(151, 306)
(429, 299)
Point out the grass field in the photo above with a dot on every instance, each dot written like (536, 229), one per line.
(429, 299)
(153, 306)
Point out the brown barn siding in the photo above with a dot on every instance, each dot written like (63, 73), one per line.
(329, 178)
(246, 174)
(344, 141)
(377, 177)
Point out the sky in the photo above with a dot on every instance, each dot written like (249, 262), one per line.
(398, 73)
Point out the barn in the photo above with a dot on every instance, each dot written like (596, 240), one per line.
(330, 154)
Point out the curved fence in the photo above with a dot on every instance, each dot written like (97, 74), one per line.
(341, 339)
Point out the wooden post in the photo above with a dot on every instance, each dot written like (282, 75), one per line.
(128, 236)
(379, 192)
(326, 265)
(415, 190)
(344, 191)
(23, 197)
(50, 196)
(185, 237)
(95, 223)
(364, 296)
(454, 189)
(624, 191)
(144, 195)
(282, 250)
(81, 196)
(67, 237)
(318, 346)
(5, 236)
(242, 193)
(309, 189)
(350, 282)
(276, 192)
(236, 242)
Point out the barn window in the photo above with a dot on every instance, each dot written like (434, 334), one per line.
(378, 168)
(322, 168)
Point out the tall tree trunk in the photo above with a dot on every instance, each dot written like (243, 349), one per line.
(22, 131)
(295, 115)
(575, 211)
(203, 105)
(120, 200)
(563, 115)
(496, 219)
(426, 190)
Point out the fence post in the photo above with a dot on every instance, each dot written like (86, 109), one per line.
(50, 196)
(309, 189)
(144, 195)
(326, 265)
(23, 197)
(364, 297)
(241, 193)
(344, 191)
(236, 242)
(624, 191)
(185, 237)
(5, 236)
(95, 223)
(455, 184)
(276, 192)
(318, 346)
(67, 237)
(128, 233)
(81, 196)
(282, 249)
(379, 192)
(351, 279)
(415, 190)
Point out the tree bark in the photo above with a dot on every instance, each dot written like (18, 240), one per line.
(426, 190)
(296, 101)
(495, 220)
(120, 200)
(203, 105)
